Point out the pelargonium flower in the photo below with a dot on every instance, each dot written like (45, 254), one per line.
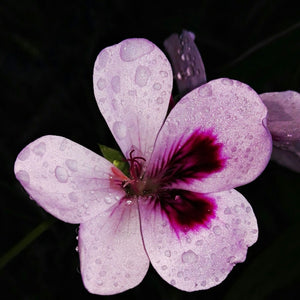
(177, 209)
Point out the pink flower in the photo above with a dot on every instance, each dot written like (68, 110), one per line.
(177, 209)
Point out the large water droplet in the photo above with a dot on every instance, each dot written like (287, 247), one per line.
(39, 149)
(133, 49)
(24, 154)
(157, 86)
(23, 177)
(227, 81)
(101, 60)
(72, 165)
(120, 130)
(101, 84)
(115, 84)
(142, 75)
(205, 90)
(61, 174)
(189, 257)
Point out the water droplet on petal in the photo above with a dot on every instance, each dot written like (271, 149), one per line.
(142, 75)
(217, 230)
(72, 165)
(203, 283)
(173, 282)
(179, 76)
(63, 145)
(248, 209)
(133, 49)
(164, 267)
(107, 199)
(24, 154)
(189, 257)
(157, 86)
(61, 174)
(205, 90)
(159, 100)
(120, 130)
(168, 253)
(227, 211)
(115, 84)
(102, 60)
(227, 81)
(23, 177)
(98, 261)
(199, 243)
(163, 74)
(39, 149)
(101, 84)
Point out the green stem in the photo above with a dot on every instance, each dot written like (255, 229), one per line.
(23, 243)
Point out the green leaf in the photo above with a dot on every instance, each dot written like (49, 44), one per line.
(115, 157)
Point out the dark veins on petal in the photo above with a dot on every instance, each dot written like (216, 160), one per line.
(199, 156)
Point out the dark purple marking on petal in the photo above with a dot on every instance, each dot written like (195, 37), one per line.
(197, 158)
(186, 210)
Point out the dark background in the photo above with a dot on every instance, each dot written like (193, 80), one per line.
(47, 52)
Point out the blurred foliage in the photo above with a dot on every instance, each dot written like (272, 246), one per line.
(46, 59)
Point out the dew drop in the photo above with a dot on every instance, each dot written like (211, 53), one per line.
(24, 154)
(227, 81)
(133, 49)
(227, 211)
(76, 249)
(115, 84)
(120, 130)
(168, 253)
(107, 199)
(23, 177)
(157, 86)
(173, 282)
(199, 243)
(189, 257)
(189, 71)
(179, 76)
(98, 261)
(205, 90)
(63, 145)
(217, 230)
(102, 60)
(203, 283)
(164, 267)
(61, 174)
(159, 100)
(39, 149)
(72, 165)
(142, 75)
(248, 209)
(101, 84)
(180, 274)
(163, 74)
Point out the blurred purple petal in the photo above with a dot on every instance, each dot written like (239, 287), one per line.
(188, 67)
(284, 125)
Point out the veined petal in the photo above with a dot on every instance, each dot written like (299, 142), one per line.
(223, 121)
(132, 85)
(69, 181)
(112, 254)
(202, 258)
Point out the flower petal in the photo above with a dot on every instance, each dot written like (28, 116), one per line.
(132, 84)
(112, 255)
(200, 259)
(284, 125)
(186, 61)
(227, 117)
(66, 179)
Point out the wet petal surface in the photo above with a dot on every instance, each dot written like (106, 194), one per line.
(112, 254)
(233, 114)
(67, 180)
(202, 258)
(132, 84)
